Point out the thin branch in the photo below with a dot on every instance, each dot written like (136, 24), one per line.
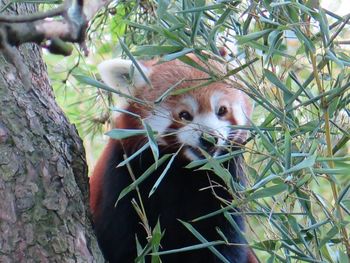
(59, 11)
(342, 42)
(12, 56)
(75, 14)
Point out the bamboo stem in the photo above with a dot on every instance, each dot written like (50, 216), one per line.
(324, 106)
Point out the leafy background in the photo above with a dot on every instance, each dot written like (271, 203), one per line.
(293, 57)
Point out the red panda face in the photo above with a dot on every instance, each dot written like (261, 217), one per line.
(199, 120)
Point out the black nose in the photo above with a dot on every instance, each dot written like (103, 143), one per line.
(207, 141)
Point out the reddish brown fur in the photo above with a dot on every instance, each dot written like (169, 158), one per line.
(96, 180)
(164, 76)
(252, 258)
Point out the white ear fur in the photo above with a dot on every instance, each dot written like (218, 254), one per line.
(116, 74)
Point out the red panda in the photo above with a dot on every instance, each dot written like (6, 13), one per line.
(193, 122)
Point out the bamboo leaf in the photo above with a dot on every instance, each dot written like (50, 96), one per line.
(134, 62)
(160, 178)
(190, 248)
(178, 54)
(120, 134)
(152, 141)
(134, 155)
(252, 36)
(204, 241)
(306, 163)
(143, 177)
(155, 50)
(269, 191)
(273, 78)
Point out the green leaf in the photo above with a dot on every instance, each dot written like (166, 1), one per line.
(266, 142)
(306, 163)
(265, 49)
(273, 40)
(162, 7)
(197, 21)
(252, 36)
(217, 168)
(160, 178)
(330, 234)
(204, 241)
(152, 141)
(168, 91)
(201, 8)
(190, 248)
(264, 181)
(304, 39)
(157, 235)
(134, 61)
(297, 230)
(155, 50)
(139, 250)
(92, 82)
(134, 155)
(269, 191)
(176, 55)
(189, 61)
(220, 159)
(273, 78)
(143, 177)
(238, 69)
(140, 26)
(287, 150)
(334, 58)
(117, 109)
(120, 134)
(344, 171)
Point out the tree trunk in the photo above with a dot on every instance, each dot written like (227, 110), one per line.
(43, 173)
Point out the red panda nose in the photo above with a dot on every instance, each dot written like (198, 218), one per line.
(207, 142)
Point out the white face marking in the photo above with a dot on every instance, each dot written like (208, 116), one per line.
(159, 120)
(239, 112)
(215, 99)
(191, 103)
(241, 117)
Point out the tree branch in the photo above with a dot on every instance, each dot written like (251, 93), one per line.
(37, 28)
(33, 17)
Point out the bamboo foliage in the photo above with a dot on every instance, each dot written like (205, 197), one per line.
(294, 62)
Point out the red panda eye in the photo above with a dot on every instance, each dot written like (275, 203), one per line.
(185, 115)
(222, 111)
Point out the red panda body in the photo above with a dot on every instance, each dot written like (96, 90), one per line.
(181, 121)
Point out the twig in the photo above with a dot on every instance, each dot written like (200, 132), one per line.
(33, 17)
(36, 28)
(342, 42)
(14, 58)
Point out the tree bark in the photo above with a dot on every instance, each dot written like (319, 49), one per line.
(43, 172)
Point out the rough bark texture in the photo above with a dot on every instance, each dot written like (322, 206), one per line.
(43, 173)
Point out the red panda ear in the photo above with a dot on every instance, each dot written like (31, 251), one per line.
(123, 75)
